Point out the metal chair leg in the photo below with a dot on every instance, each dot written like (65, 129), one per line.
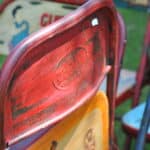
(128, 142)
(144, 126)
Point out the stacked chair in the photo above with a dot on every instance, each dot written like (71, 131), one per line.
(45, 108)
(49, 83)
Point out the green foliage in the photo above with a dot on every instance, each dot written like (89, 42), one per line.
(2, 59)
(135, 22)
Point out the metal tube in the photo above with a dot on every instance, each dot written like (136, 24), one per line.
(140, 142)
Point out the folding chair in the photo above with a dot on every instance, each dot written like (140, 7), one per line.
(129, 123)
(140, 78)
(48, 79)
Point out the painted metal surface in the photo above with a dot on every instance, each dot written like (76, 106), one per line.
(133, 118)
(21, 18)
(56, 70)
(85, 128)
(145, 123)
(131, 121)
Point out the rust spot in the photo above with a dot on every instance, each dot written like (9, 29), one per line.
(36, 118)
(89, 140)
(11, 83)
(53, 145)
(110, 61)
(96, 43)
(83, 86)
(70, 56)
(68, 69)
(19, 109)
(110, 27)
(25, 65)
(18, 112)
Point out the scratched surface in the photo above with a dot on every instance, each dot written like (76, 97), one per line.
(43, 89)
(94, 111)
(84, 129)
(52, 73)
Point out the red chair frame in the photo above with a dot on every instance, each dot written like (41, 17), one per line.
(16, 63)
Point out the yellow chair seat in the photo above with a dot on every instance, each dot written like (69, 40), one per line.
(84, 129)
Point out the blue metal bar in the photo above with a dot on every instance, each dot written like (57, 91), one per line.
(140, 142)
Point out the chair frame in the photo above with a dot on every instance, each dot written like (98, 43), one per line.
(142, 80)
(117, 42)
(145, 123)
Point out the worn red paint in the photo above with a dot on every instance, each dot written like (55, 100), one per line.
(46, 19)
(56, 70)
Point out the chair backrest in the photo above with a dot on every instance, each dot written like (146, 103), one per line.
(67, 59)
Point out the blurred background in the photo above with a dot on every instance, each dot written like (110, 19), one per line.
(135, 15)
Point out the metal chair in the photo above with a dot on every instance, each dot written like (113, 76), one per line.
(53, 73)
(136, 125)
(142, 80)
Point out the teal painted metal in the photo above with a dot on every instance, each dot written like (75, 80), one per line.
(140, 142)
